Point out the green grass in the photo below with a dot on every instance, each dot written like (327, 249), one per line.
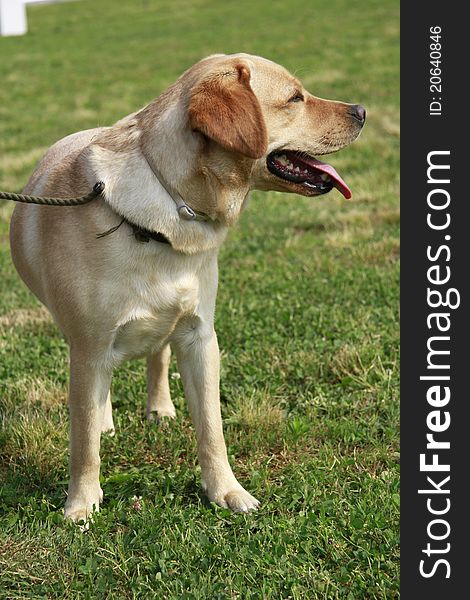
(307, 321)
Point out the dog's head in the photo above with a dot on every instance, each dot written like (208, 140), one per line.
(233, 123)
(256, 109)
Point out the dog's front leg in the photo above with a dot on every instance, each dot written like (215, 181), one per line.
(197, 353)
(89, 387)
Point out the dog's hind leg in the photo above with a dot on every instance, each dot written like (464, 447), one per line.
(108, 424)
(159, 402)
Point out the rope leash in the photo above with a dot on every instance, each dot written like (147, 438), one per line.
(141, 235)
(95, 192)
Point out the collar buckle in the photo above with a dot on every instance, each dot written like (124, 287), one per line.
(188, 214)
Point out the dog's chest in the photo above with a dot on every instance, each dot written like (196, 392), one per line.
(151, 310)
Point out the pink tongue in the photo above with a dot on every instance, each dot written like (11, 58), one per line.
(329, 170)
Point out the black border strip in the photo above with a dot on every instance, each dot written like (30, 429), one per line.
(424, 131)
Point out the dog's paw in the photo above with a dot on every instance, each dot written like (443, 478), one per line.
(109, 431)
(161, 415)
(240, 501)
(235, 498)
(81, 508)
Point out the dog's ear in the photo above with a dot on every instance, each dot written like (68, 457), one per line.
(224, 108)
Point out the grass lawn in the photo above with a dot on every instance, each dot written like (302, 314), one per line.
(307, 322)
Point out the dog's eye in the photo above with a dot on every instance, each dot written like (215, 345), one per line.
(297, 97)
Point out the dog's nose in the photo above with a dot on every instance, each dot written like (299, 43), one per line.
(358, 112)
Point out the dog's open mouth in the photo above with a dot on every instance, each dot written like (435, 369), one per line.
(314, 175)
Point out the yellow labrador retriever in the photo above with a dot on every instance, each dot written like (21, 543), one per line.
(134, 272)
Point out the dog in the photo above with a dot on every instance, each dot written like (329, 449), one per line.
(135, 272)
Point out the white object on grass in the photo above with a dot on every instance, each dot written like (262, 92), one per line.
(13, 17)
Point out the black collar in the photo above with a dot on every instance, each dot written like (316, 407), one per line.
(141, 235)
(144, 235)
